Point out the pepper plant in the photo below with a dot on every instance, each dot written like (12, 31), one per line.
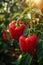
(21, 36)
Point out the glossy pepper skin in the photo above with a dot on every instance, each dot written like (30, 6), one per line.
(4, 37)
(16, 31)
(28, 44)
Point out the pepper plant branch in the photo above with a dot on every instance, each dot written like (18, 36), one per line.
(22, 14)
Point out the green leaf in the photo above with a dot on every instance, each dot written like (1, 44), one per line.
(15, 43)
(40, 61)
(25, 59)
(4, 47)
(39, 46)
(0, 43)
(24, 20)
(26, 30)
(39, 49)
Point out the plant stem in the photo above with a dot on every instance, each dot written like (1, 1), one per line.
(22, 14)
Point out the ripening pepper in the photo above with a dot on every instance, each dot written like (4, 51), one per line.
(4, 36)
(16, 31)
(28, 44)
